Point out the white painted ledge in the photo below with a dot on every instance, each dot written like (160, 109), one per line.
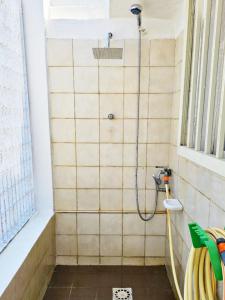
(16, 252)
(204, 160)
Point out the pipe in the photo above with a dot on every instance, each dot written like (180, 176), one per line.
(171, 247)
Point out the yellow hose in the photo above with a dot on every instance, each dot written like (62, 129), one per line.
(200, 282)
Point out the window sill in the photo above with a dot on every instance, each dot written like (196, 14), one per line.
(11, 259)
(204, 160)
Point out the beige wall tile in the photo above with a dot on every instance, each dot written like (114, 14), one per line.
(109, 261)
(133, 225)
(111, 131)
(64, 154)
(60, 52)
(157, 226)
(159, 130)
(162, 53)
(61, 79)
(66, 260)
(130, 131)
(179, 48)
(154, 261)
(111, 79)
(88, 260)
(161, 80)
(111, 199)
(150, 199)
(111, 224)
(87, 131)
(177, 77)
(88, 245)
(111, 245)
(216, 216)
(131, 80)
(64, 177)
(131, 52)
(65, 199)
(111, 104)
(133, 261)
(158, 155)
(63, 130)
(176, 105)
(66, 245)
(111, 154)
(88, 199)
(130, 106)
(129, 200)
(133, 245)
(155, 246)
(62, 106)
(160, 105)
(87, 177)
(83, 54)
(87, 154)
(66, 223)
(88, 223)
(111, 177)
(129, 155)
(86, 80)
(129, 177)
(87, 106)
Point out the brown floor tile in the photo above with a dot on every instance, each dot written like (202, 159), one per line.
(57, 294)
(96, 282)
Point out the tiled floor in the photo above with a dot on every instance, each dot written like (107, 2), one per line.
(96, 282)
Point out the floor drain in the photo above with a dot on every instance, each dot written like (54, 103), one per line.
(122, 294)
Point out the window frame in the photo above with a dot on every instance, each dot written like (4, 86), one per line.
(215, 163)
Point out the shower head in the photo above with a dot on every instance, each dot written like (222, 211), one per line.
(108, 52)
(136, 9)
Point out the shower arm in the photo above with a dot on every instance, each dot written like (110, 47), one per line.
(110, 35)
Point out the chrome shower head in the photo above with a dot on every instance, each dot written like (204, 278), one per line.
(136, 10)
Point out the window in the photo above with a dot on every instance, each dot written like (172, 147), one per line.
(17, 203)
(203, 122)
(79, 9)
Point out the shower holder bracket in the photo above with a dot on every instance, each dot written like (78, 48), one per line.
(200, 239)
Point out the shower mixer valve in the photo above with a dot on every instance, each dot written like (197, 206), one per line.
(166, 173)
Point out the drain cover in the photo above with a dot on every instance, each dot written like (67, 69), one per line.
(122, 294)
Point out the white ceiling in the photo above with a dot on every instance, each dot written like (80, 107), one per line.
(160, 9)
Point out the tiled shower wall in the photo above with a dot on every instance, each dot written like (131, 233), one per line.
(200, 190)
(94, 157)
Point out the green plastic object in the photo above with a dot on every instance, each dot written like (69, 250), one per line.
(200, 238)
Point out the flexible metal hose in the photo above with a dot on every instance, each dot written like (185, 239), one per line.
(137, 141)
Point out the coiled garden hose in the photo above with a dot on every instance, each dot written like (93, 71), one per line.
(200, 282)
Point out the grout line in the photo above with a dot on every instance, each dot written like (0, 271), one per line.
(122, 215)
(74, 95)
(99, 162)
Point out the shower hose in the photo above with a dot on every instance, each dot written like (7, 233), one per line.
(200, 282)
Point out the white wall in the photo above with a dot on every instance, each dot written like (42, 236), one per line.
(121, 28)
(38, 96)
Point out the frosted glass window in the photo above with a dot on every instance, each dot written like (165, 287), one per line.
(219, 82)
(17, 202)
(208, 72)
(204, 96)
